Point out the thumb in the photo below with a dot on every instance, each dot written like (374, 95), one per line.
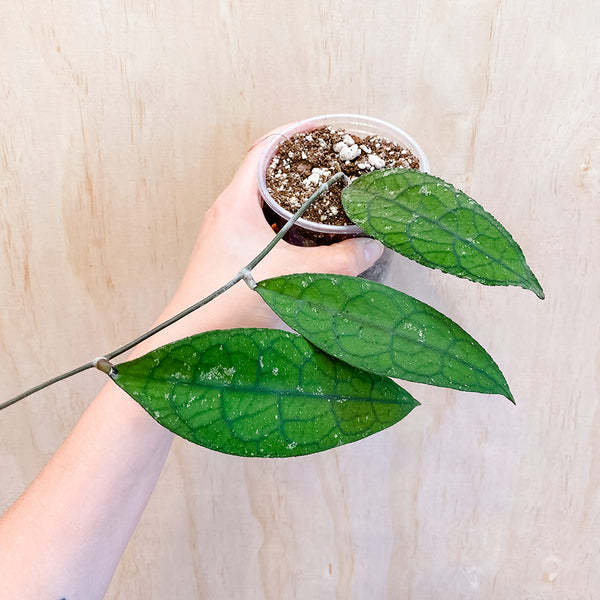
(349, 257)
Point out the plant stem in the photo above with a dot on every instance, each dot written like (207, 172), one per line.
(320, 191)
(243, 274)
(41, 386)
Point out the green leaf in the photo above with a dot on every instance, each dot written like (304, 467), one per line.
(428, 220)
(260, 392)
(382, 330)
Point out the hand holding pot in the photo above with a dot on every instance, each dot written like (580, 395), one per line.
(234, 230)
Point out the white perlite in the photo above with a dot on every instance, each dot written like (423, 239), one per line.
(317, 175)
(350, 152)
(376, 161)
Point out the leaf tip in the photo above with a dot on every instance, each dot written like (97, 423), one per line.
(534, 285)
(503, 388)
(539, 292)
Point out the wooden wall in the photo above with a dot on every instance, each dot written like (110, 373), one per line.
(120, 123)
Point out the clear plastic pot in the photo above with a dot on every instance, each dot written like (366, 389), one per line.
(309, 233)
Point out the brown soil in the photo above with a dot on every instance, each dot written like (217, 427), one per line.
(308, 159)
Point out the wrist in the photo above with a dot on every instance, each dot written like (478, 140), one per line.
(126, 419)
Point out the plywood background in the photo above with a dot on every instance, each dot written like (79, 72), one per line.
(120, 123)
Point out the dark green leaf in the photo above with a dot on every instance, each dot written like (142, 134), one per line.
(430, 221)
(382, 330)
(261, 392)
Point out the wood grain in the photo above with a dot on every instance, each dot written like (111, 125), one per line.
(120, 123)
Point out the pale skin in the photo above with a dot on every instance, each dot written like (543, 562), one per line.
(65, 535)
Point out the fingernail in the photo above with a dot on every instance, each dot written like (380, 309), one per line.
(373, 249)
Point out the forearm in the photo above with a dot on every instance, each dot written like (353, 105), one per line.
(65, 536)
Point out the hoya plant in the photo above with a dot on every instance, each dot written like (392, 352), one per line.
(273, 393)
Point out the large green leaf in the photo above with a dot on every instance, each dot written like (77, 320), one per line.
(260, 392)
(437, 225)
(382, 330)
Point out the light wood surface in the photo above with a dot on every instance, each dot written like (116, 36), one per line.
(120, 123)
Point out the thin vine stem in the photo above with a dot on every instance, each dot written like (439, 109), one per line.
(46, 384)
(244, 273)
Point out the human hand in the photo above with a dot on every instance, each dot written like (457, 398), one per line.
(232, 233)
